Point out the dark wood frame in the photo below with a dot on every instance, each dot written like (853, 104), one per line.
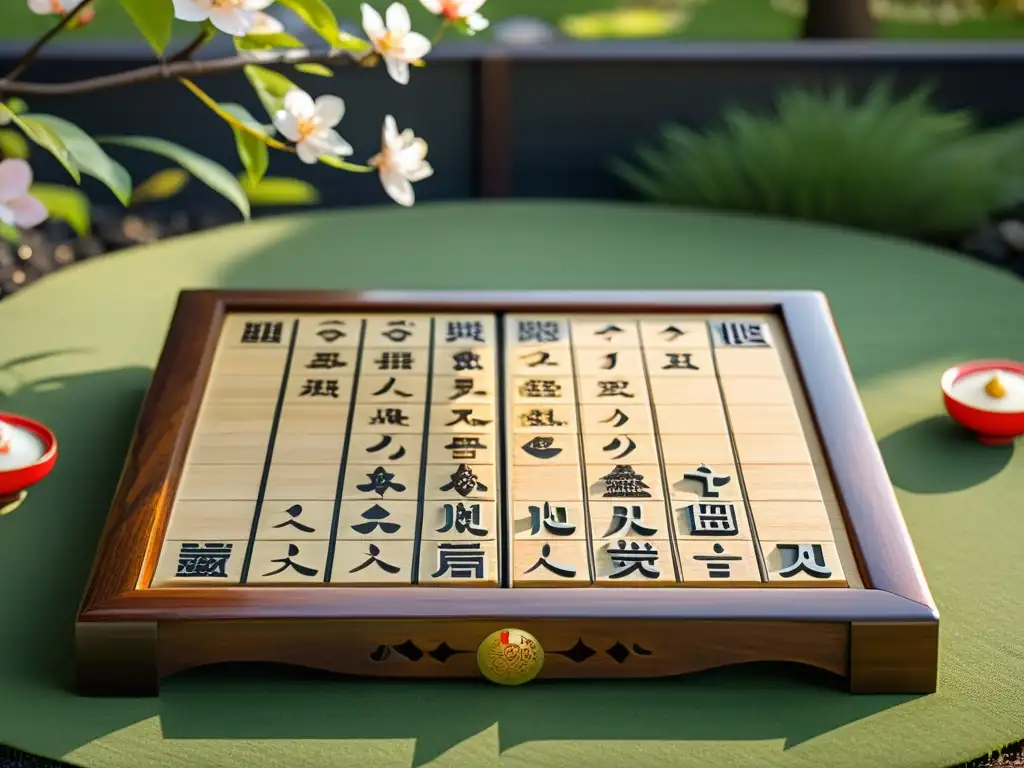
(884, 638)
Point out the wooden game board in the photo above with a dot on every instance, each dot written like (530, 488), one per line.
(650, 484)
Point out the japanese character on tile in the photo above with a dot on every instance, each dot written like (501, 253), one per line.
(294, 512)
(460, 561)
(624, 482)
(463, 518)
(381, 481)
(385, 441)
(565, 571)
(465, 387)
(803, 558)
(553, 519)
(540, 417)
(262, 333)
(463, 481)
(203, 560)
(465, 447)
(464, 330)
(373, 553)
(398, 330)
(541, 447)
(331, 330)
(376, 519)
(709, 480)
(320, 388)
(541, 331)
(389, 385)
(465, 416)
(631, 557)
(287, 562)
(718, 563)
(326, 361)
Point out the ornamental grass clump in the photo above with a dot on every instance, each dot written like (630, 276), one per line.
(888, 164)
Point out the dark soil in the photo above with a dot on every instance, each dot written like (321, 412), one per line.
(55, 246)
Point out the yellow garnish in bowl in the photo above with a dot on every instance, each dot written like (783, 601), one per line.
(995, 388)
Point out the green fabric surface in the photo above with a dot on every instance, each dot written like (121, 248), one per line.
(77, 350)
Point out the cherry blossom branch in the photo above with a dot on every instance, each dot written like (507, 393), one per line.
(168, 71)
(41, 43)
(198, 42)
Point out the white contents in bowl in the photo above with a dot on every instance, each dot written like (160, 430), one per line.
(19, 447)
(994, 390)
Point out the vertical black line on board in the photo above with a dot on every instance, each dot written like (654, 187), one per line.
(591, 544)
(501, 459)
(343, 465)
(673, 540)
(269, 459)
(754, 540)
(418, 540)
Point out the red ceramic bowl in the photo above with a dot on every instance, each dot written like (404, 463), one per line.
(991, 427)
(14, 481)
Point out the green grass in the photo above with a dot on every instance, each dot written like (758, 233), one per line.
(720, 20)
(897, 166)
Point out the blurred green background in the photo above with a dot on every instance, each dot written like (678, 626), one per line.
(751, 20)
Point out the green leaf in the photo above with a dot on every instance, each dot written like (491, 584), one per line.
(89, 156)
(280, 191)
(253, 153)
(320, 18)
(270, 87)
(315, 69)
(337, 162)
(13, 144)
(237, 116)
(44, 136)
(66, 204)
(161, 185)
(17, 105)
(245, 117)
(267, 42)
(215, 176)
(10, 234)
(154, 19)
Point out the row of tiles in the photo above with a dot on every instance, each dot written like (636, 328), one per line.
(445, 331)
(676, 362)
(333, 392)
(299, 419)
(460, 482)
(628, 519)
(540, 564)
(406, 450)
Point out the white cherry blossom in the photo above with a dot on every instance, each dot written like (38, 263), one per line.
(61, 8)
(401, 161)
(310, 124)
(46, 7)
(17, 207)
(232, 17)
(394, 39)
(265, 24)
(459, 10)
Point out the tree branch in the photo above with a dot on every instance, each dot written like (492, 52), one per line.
(170, 70)
(198, 42)
(39, 44)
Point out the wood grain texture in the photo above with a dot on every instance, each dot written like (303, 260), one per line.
(138, 516)
(116, 658)
(897, 600)
(887, 657)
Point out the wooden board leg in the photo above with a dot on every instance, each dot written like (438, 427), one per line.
(894, 658)
(116, 659)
